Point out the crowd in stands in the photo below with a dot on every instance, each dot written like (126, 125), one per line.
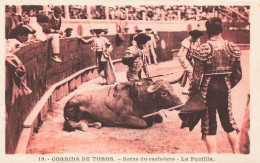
(78, 12)
(147, 12)
(172, 13)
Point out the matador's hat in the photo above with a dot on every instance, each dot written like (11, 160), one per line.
(195, 33)
(142, 38)
(98, 31)
(148, 29)
(139, 30)
(58, 9)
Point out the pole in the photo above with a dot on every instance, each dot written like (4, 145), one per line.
(106, 13)
(243, 16)
(169, 109)
(89, 12)
(66, 12)
(166, 74)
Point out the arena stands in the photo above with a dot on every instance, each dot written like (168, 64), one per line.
(143, 12)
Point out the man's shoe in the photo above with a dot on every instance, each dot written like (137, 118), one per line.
(56, 59)
(103, 82)
(185, 91)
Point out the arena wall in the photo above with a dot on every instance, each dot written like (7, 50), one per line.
(166, 26)
(42, 74)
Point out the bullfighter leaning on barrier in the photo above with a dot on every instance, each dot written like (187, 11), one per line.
(15, 68)
(135, 58)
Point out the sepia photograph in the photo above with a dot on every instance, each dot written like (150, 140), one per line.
(93, 82)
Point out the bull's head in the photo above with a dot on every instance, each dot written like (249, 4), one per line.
(163, 94)
(72, 111)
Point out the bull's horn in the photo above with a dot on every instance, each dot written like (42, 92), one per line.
(152, 88)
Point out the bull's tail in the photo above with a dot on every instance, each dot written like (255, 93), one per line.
(67, 126)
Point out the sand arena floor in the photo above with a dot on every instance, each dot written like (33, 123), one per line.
(165, 137)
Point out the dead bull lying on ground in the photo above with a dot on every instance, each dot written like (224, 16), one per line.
(122, 105)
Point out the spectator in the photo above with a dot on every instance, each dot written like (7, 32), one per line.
(51, 27)
(98, 12)
(149, 15)
(12, 20)
(39, 34)
(54, 32)
(155, 13)
(72, 14)
(17, 38)
(135, 58)
(117, 13)
(77, 12)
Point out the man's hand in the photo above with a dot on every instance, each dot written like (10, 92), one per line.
(44, 40)
(59, 32)
(138, 54)
(106, 54)
(80, 39)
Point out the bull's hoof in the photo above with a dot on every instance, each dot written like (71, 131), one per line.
(158, 118)
(84, 127)
(149, 122)
(67, 127)
(97, 125)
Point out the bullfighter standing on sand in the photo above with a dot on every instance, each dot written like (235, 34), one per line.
(188, 45)
(135, 58)
(151, 46)
(102, 48)
(217, 69)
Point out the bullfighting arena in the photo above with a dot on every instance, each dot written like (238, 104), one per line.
(165, 137)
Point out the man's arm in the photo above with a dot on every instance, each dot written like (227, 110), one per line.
(184, 61)
(109, 47)
(56, 31)
(236, 70)
(84, 41)
(145, 65)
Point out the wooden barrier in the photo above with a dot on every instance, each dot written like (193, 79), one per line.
(56, 92)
